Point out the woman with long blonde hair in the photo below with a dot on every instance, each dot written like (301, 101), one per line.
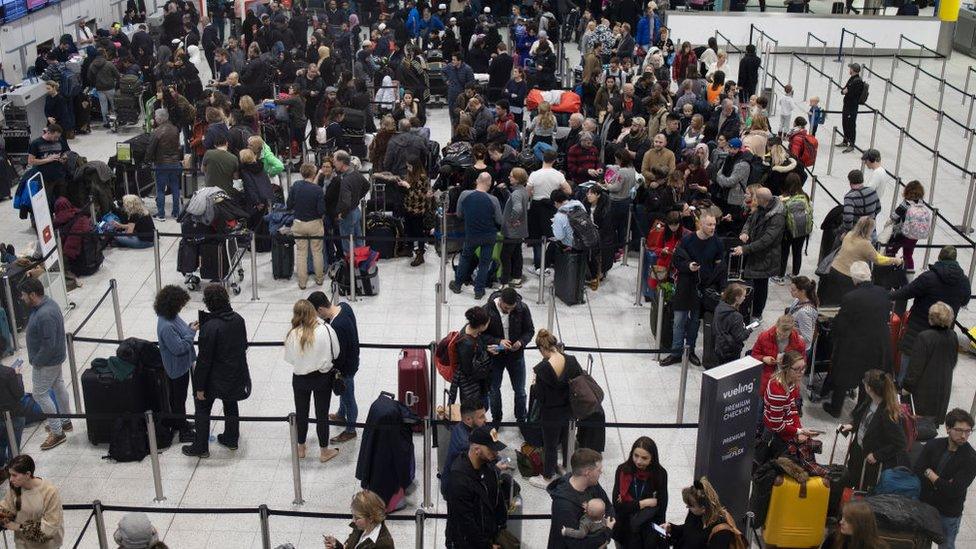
(311, 348)
(137, 231)
(543, 127)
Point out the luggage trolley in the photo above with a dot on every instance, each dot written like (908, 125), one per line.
(207, 254)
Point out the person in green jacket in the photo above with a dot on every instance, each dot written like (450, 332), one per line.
(272, 164)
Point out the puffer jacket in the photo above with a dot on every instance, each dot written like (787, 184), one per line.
(65, 220)
(945, 281)
(762, 252)
(103, 74)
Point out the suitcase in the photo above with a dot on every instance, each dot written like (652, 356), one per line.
(570, 276)
(213, 260)
(667, 324)
(904, 540)
(366, 284)
(104, 394)
(282, 256)
(709, 360)
(797, 514)
(837, 8)
(413, 381)
(387, 230)
(188, 257)
(262, 244)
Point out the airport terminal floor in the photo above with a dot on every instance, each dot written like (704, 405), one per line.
(638, 389)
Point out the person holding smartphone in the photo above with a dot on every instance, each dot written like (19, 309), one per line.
(640, 496)
(368, 526)
(781, 408)
(177, 351)
(729, 332)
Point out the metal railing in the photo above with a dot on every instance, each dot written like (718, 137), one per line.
(854, 39)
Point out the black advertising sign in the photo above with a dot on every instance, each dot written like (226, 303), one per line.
(730, 409)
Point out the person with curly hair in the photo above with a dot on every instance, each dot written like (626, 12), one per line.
(177, 351)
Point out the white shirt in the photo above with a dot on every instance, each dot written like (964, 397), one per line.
(319, 357)
(881, 182)
(373, 536)
(543, 181)
(504, 316)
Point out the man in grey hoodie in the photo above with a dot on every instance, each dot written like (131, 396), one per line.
(46, 353)
(515, 228)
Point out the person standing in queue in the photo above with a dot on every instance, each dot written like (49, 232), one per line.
(343, 320)
(177, 351)
(476, 510)
(947, 468)
(368, 527)
(570, 494)
(879, 437)
(510, 328)
(857, 528)
(640, 495)
(853, 90)
(32, 508)
(221, 371)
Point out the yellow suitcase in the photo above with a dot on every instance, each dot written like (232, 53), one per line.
(797, 514)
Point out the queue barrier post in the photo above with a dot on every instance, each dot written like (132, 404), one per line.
(815, 182)
(969, 116)
(935, 172)
(11, 311)
(972, 264)
(428, 445)
(683, 386)
(11, 434)
(296, 469)
(966, 88)
(438, 313)
(806, 81)
(969, 146)
(551, 308)
(972, 409)
(638, 294)
(156, 261)
(114, 286)
(967, 221)
(570, 443)
(830, 91)
(928, 248)
(352, 268)
(911, 100)
(443, 244)
(254, 266)
(73, 372)
(542, 275)
(660, 321)
(265, 527)
(888, 84)
(901, 145)
(100, 525)
(630, 220)
(154, 457)
(874, 128)
(833, 145)
(419, 523)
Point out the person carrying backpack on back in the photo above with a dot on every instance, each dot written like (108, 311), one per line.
(799, 225)
(912, 221)
(803, 145)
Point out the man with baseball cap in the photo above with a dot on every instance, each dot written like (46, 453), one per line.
(852, 90)
(474, 501)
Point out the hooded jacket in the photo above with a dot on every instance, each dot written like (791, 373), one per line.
(729, 333)
(386, 96)
(257, 184)
(272, 164)
(567, 509)
(945, 281)
(103, 74)
(65, 220)
(561, 229)
(403, 148)
(475, 509)
(222, 370)
(762, 252)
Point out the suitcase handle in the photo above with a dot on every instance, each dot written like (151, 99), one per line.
(410, 399)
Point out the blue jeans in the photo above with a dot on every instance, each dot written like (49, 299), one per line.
(5, 450)
(351, 224)
(347, 404)
(46, 378)
(516, 374)
(131, 241)
(464, 265)
(950, 525)
(168, 180)
(685, 329)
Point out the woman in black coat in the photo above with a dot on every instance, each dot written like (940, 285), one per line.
(598, 206)
(930, 368)
(472, 376)
(879, 440)
(221, 371)
(550, 397)
(640, 496)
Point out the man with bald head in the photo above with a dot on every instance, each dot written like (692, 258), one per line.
(761, 238)
(482, 215)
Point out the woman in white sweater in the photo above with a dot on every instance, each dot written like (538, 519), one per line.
(311, 348)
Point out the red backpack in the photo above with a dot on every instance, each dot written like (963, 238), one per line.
(806, 151)
(445, 355)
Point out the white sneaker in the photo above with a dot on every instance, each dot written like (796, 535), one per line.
(540, 481)
(550, 272)
(532, 270)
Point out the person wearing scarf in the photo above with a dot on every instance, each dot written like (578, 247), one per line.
(640, 495)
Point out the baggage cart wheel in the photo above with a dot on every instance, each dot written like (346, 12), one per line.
(240, 275)
(236, 288)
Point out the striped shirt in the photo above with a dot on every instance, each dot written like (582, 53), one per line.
(780, 414)
(859, 203)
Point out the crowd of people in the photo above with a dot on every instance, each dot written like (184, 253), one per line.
(670, 143)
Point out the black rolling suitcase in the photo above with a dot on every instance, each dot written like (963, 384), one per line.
(667, 324)
(570, 276)
(213, 259)
(105, 397)
(709, 360)
(282, 256)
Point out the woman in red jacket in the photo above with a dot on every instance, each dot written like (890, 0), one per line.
(775, 341)
(662, 239)
(684, 59)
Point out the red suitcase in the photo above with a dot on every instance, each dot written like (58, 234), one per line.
(413, 381)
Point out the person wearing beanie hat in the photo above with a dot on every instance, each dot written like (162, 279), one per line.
(135, 531)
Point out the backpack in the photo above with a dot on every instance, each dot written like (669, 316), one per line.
(738, 541)
(901, 481)
(757, 171)
(446, 357)
(807, 154)
(70, 82)
(130, 440)
(918, 222)
(585, 396)
(799, 216)
(586, 235)
(865, 89)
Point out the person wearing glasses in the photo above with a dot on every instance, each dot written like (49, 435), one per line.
(781, 408)
(947, 467)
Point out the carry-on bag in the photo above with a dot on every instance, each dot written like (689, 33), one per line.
(797, 513)
(213, 259)
(105, 396)
(413, 382)
(570, 276)
(282, 256)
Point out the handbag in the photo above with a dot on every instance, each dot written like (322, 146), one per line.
(338, 383)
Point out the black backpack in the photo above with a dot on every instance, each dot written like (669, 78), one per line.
(757, 170)
(586, 235)
(865, 89)
(130, 440)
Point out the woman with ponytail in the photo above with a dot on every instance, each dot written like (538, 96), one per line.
(550, 392)
(311, 348)
(858, 529)
(708, 525)
(803, 309)
(879, 440)
(640, 495)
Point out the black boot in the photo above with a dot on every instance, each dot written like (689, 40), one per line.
(418, 258)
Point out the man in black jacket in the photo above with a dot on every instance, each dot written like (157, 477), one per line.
(569, 494)
(221, 371)
(476, 511)
(947, 467)
(509, 326)
(210, 40)
(499, 72)
(748, 74)
(852, 90)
